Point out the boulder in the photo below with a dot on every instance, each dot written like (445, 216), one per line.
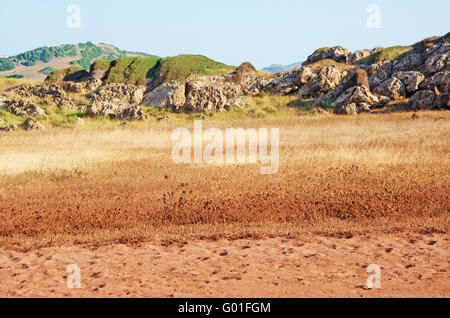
(327, 99)
(337, 53)
(285, 83)
(360, 96)
(119, 93)
(436, 63)
(25, 108)
(322, 82)
(167, 95)
(409, 63)
(116, 111)
(212, 95)
(349, 109)
(303, 75)
(411, 79)
(436, 80)
(424, 99)
(392, 87)
(378, 73)
(32, 124)
(356, 56)
(8, 128)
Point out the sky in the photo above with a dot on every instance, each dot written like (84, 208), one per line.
(263, 32)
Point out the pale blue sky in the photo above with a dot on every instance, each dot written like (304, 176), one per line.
(231, 31)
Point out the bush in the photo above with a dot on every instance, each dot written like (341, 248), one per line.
(6, 65)
(15, 76)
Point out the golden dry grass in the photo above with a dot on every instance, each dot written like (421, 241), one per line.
(338, 175)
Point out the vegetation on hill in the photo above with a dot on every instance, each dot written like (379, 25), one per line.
(136, 70)
(59, 75)
(45, 54)
(329, 62)
(397, 52)
(89, 52)
(6, 65)
(16, 76)
(181, 66)
(47, 70)
(131, 70)
(387, 54)
(8, 83)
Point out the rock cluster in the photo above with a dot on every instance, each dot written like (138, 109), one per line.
(197, 94)
(117, 101)
(32, 124)
(333, 77)
(25, 108)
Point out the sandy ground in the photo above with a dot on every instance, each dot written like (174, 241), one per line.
(411, 266)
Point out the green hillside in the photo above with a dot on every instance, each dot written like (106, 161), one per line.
(135, 70)
(37, 63)
(181, 66)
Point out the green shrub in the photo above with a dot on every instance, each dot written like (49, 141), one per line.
(15, 76)
(6, 65)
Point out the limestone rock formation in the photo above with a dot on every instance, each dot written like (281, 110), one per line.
(321, 82)
(32, 124)
(362, 99)
(8, 128)
(119, 93)
(25, 108)
(424, 99)
(167, 95)
(411, 79)
(392, 87)
(212, 94)
(337, 53)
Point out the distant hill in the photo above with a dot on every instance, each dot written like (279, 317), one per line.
(277, 68)
(38, 63)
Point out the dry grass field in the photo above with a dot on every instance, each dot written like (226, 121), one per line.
(112, 197)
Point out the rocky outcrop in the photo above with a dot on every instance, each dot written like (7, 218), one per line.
(167, 95)
(438, 59)
(424, 99)
(32, 124)
(211, 94)
(411, 79)
(409, 63)
(117, 101)
(285, 83)
(392, 87)
(356, 100)
(116, 111)
(25, 108)
(321, 82)
(337, 53)
(356, 56)
(119, 93)
(378, 73)
(8, 128)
